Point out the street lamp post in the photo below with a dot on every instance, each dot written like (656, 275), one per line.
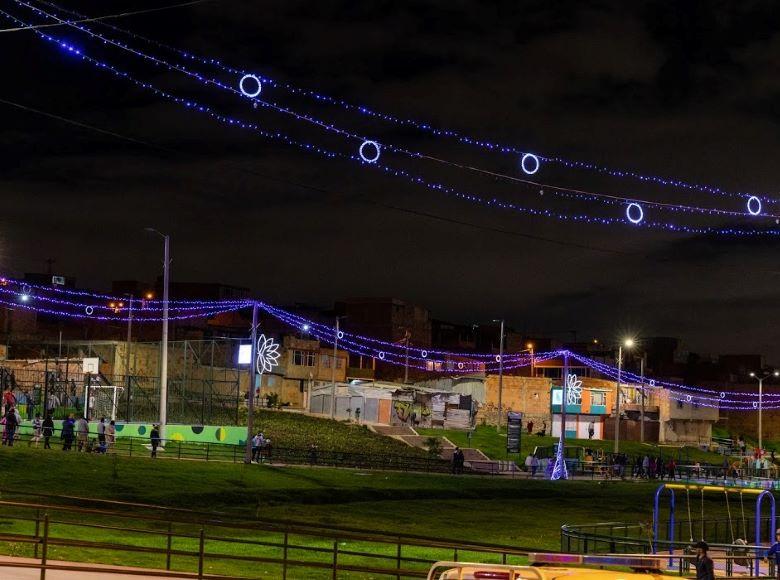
(333, 367)
(164, 345)
(530, 348)
(628, 343)
(760, 378)
(500, 374)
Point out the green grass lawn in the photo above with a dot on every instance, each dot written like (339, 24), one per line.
(493, 444)
(517, 513)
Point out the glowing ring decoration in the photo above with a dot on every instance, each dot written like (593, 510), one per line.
(755, 405)
(498, 358)
(89, 310)
(26, 289)
(722, 395)
(376, 147)
(247, 93)
(340, 334)
(460, 366)
(652, 383)
(637, 219)
(382, 355)
(754, 203)
(424, 353)
(535, 160)
(688, 398)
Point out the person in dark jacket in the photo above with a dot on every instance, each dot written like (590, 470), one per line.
(11, 424)
(47, 431)
(774, 551)
(154, 439)
(68, 426)
(705, 567)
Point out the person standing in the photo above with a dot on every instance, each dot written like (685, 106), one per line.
(705, 567)
(530, 427)
(47, 430)
(37, 426)
(111, 434)
(534, 465)
(775, 551)
(82, 433)
(591, 430)
(101, 432)
(11, 424)
(68, 426)
(154, 439)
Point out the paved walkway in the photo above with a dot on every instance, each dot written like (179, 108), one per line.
(17, 573)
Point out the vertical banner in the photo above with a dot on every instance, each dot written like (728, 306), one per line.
(514, 430)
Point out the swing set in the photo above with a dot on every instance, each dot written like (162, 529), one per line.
(739, 544)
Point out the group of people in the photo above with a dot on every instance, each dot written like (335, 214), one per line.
(262, 449)
(541, 432)
(78, 430)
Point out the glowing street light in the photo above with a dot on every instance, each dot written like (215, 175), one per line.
(628, 343)
(760, 378)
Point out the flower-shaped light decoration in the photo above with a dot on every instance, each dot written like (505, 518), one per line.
(267, 354)
(573, 390)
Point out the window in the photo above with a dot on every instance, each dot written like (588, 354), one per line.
(304, 358)
(327, 358)
(598, 399)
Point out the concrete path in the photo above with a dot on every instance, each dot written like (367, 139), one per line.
(31, 573)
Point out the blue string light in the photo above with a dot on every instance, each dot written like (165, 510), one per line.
(529, 162)
(489, 202)
(428, 127)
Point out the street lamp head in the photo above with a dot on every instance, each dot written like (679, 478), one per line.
(305, 328)
(628, 343)
(776, 373)
(752, 374)
(529, 345)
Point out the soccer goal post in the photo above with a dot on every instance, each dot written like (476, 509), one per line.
(101, 401)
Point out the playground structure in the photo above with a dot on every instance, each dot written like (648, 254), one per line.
(738, 537)
(739, 545)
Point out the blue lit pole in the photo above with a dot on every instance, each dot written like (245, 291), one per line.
(559, 469)
(250, 400)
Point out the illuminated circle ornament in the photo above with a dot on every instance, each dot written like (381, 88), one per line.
(754, 205)
(460, 366)
(573, 390)
(368, 147)
(722, 395)
(634, 213)
(755, 405)
(688, 398)
(267, 354)
(26, 289)
(382, 355)
(652, 382)
(243, 84)
(340, 334)
(498, 358)
(89, 310)
(424, 354)
(529, 163)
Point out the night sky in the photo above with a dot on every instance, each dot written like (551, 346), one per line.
(686, 90)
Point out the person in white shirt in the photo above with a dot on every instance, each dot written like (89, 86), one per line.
(101, 431)
(37, 425)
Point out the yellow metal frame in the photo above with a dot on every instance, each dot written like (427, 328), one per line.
(719, 489)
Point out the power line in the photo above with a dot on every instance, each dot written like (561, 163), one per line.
(360, 198)
(106, 17)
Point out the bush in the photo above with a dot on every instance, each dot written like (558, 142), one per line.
(434, 447)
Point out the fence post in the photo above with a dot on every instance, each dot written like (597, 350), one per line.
(455, 555)
(200, 554)
(398, 560)
(45, 549)
(168, 549)
(284, 557)
(37, 530)
(335, 559)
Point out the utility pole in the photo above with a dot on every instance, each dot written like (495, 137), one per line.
(628, 343)
(333, 369)
(164, 343)
(250, 399)
(407, 335)
(642, 395)
(760, 379)
(127, 355)
(500, 375)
